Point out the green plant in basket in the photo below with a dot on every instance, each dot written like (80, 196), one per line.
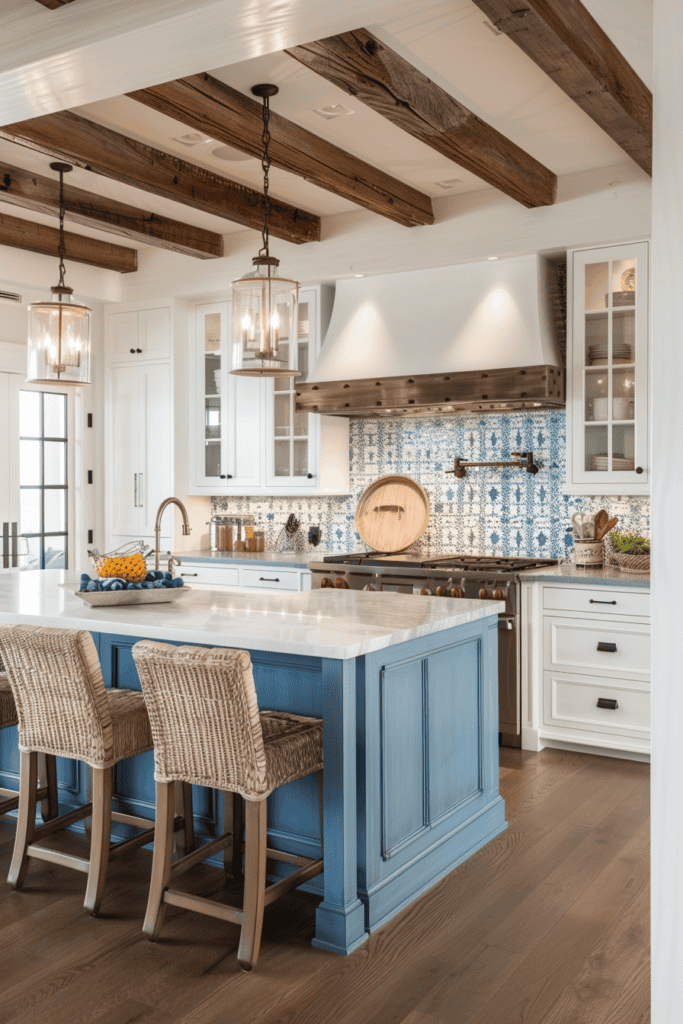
(628, 543)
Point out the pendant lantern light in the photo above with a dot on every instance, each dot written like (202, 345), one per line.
(264, 305)
(59, 331)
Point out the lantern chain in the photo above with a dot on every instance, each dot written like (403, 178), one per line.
(265, 164)
(62, 248)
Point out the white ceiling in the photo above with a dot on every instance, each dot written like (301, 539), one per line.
(449, 41)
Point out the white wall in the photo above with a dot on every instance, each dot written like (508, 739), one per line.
(667, 503)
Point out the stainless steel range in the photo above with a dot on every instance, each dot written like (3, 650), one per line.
(452, 577)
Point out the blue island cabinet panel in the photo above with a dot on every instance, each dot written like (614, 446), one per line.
(428, 795)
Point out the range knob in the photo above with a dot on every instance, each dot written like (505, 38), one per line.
(424, 592)
(326, 582)
(456, 592)
(441, 592)
(484, 594)
(499, 595)
(341, 583)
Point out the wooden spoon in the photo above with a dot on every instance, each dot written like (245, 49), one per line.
(601, 520)
(611, 523)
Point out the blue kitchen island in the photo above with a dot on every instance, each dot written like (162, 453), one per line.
(406, 687)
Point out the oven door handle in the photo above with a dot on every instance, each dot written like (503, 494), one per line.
(507, 622)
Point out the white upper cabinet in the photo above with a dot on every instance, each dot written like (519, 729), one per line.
(249, 437)
(138, 334)
(607, 371)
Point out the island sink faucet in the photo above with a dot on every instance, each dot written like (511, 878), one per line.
(157, 524)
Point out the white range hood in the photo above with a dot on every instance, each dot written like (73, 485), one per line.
(452, 325)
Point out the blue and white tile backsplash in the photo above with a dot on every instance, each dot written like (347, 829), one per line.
(490, 511)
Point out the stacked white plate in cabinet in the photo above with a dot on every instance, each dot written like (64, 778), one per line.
(621, 353)
(600, 463)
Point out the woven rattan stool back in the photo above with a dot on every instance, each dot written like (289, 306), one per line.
(59, 692)
(204, 715)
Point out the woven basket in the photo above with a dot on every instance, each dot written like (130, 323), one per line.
(637, 564)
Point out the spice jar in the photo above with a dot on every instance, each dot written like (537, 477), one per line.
(243, 524)
(222, 531)
(257, 542)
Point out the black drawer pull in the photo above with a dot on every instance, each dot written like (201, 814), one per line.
(601, 602)
(606, 702)
(604, 646)
(264, 579)
(189, 574)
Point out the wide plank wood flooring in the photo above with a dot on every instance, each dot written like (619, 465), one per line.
(548, 924)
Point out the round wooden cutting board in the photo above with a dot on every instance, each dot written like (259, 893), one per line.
(392, 513)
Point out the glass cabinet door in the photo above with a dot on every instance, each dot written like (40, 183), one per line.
(290, 432)
(610, 366)
(211, 326)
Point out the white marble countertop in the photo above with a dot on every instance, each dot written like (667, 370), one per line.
(279, 559)
(605, 575)
(318, 623)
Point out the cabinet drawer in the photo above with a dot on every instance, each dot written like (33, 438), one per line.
(613, 601)
(571, 702)
(572, 644)
(270, 578)
(214, 575)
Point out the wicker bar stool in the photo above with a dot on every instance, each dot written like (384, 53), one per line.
(208, 730)
(47, 794)
(64, 709)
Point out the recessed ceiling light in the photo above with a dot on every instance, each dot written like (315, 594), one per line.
(230, 153)
(193, 139)
(448, 183)
(332, 111)
(359, 275)
(491, 257)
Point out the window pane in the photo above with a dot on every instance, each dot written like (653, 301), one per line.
(55, 462)
(281, 458)
(30, 510)
(55, 511)
(29, 463)
(300, 458)
(54, 415)
(281, 415)
(35, 550)
(212, 459)
(55, 553)
(29, 414)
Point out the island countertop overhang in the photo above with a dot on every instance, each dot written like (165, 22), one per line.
(318, 623)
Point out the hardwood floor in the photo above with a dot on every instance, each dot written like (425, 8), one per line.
(548, 924)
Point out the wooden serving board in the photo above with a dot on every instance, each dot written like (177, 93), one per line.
(115, 598)
(392, 513)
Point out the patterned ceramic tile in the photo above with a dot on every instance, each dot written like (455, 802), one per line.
(491, 511)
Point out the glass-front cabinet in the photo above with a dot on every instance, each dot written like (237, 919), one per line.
(250, 439)
(607, 404)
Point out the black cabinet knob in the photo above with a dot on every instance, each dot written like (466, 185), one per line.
(222, 476)
(138, 350)
(639, 469)
(132, 351)
(225, 476)
(310, 476)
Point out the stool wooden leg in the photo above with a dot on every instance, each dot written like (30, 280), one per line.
(188, 813)
(100, 841)
(237, 836)
(49, 806)
(161, 864)
(254, 882)
(26, 825)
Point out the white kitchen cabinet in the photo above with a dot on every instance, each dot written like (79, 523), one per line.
(586, 668)
(607, 364)
(250, 440)
(140, 459)
(137, 335)
(244, 578)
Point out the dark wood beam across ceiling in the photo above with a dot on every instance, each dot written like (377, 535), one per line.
(68, 136)
(25, 234)
(34, 192)
(569, 45)
(215, 109)
(367, 69)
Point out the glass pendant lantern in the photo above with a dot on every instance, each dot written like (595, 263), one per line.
(59, 331)
(264, 305)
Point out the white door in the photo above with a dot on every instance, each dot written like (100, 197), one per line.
(124, 468)
(11, 549)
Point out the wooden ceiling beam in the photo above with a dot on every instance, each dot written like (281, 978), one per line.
(34, 192)
(68, 136)
(372, 72)
(26, 234)
(569, 45)
(215, 109)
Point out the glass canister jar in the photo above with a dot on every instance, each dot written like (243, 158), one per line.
(222, 533)
(244, 531)
(257, 542)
